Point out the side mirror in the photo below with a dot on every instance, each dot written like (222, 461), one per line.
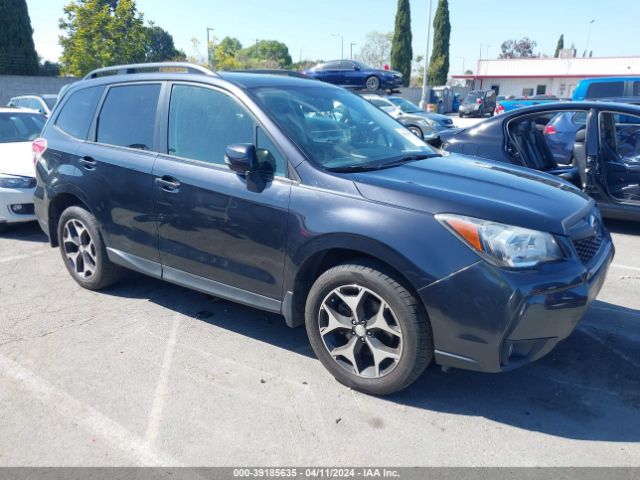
(356, 68)
(241, 158)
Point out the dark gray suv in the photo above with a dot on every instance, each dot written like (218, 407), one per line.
(303, 199)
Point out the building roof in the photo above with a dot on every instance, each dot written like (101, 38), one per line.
(556, 67)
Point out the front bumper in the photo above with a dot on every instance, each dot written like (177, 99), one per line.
(10, 199)
(491, 320)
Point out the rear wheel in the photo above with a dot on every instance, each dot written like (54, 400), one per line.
(83, 250)
(367, 329)
(372, 84)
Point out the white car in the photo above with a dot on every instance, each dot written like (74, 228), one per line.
(18, 129)
(40, 103)
(383, 104)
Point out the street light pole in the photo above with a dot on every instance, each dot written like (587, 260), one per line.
(424, 100)
(209, 62)
(352, 44)
(586, 52)
(341, 44)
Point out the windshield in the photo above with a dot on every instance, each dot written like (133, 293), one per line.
(50, 100)
(405, 105)
(20, 127)
(337, 130)
(472, 98)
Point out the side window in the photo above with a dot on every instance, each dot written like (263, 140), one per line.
(128, 115)
(331, 66)
(202, 122)
(77, 112)
(269, 157)
(627, 137)
(605, 90)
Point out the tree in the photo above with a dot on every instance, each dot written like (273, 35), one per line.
(17, 52)
(97, 35)
(401, 51)
(439, 63)
(376, 49)
(225, 54)
(559, 46)
(49, 69)
(159, 45)
(522, 48)
(265, 53)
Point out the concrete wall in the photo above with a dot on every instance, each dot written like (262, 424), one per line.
(14, 85)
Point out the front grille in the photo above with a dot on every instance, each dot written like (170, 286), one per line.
(588, 247)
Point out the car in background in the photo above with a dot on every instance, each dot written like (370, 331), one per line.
(506, 105)
(354, 74)
(437, 121)
(478, 103)
(416, 124)
(606, 88)
(18, 129)
(603, 139)
(40, 103)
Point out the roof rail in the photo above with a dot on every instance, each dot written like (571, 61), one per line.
(142, 67)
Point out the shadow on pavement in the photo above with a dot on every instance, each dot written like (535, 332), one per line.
(588, 388)
(623, 226)
(28, 232)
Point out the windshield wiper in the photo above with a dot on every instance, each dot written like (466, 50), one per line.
(392, 162)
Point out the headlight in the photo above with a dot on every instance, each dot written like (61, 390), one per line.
(16, 182)
(503, 245)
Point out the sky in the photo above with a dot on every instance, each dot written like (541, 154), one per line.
(307, 26)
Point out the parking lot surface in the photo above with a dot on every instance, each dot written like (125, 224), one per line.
(146, 373)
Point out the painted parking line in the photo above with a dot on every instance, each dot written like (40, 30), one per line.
(23, 256)
(138, 449)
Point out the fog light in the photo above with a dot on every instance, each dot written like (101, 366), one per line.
(17, 208)
(22, 208)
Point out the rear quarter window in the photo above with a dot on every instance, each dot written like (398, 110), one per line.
(77, 112)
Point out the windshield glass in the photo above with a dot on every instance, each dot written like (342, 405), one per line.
(472, 98)
(339, 130)
(50, 101)
(20, 127)
(405, 105)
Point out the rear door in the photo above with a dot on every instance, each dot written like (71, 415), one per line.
(119, 160)
(216, 234)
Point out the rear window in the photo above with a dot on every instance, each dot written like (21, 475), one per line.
(77, 113)
(128, 115)
(20, 127)
(605, 90)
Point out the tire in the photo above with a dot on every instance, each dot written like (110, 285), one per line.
(372, 84)
(78, 234)
(400, 336)
(417, 131)
(460, 114)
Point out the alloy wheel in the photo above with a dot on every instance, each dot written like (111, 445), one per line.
(360, 331)
(79, 248)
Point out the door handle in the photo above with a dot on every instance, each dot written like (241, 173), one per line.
(88, 163)
(168, 184)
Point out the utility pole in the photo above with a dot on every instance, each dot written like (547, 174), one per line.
(210, 60)
(352, 44)
(586, 50)
(341, 44)
(424, 100)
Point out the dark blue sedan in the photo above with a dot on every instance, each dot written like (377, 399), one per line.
(352, 74)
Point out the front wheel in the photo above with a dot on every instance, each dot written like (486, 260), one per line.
(83, 250)
(416, 131)
(372, 84)
(367, 329)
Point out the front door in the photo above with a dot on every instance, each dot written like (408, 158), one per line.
(214, 231)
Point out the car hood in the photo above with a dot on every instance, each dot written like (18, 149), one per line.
(477, 188)
(17, 159)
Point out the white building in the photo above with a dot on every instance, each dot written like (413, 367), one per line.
(546, 76)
